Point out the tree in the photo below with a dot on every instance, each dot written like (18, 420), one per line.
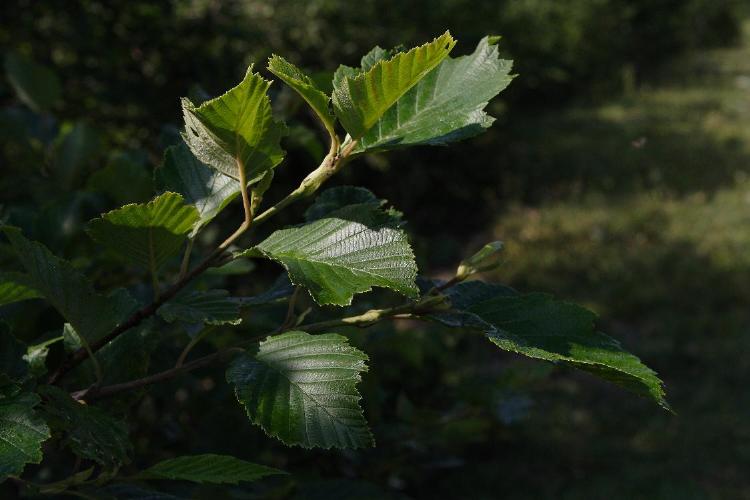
(298, 382)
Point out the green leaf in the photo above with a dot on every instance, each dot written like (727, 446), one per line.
(301, 389)
(376, 55)
(538, 326)
(208, 468)
(91, 433)
(146, 234)
(91, 314)
(23, 431)
(305, 87)
(35, 85)
(201, 186)
(212, 307)
(236, 129)
(15, 287)
(360, 100)
(339, 197)
(36, 356)
(125, 178)
(349, 251)
(12, 365)
(445, 106)
(486, 259)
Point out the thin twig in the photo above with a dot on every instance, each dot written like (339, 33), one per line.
(193, 342)
(366, 319)
(331, 164)
(185, 264)
(111, 390)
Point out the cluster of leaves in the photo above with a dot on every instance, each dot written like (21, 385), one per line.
(298, 385)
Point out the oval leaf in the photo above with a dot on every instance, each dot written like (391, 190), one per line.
(301, 389)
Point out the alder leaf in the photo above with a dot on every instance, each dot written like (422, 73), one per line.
(306, 88)
(147, 233)
(349, 251)
(301, 389)
(15, 287)
(206, 189)
(208, 468)
(90, 432)
(236, 130)
(445, 106)
(23, 431)
(361, 98)
(538, 326)
(91, 314)
(212, 307)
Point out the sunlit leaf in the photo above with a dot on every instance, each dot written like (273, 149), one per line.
(361, 98)
(349, 251)
(305, 87)
(148, 233)
(236, 130)
(445, 106)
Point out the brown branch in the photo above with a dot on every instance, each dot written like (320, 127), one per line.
(331, 164)
(134, 320)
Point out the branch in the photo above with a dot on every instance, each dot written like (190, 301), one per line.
(110, 390)
(366, 319)
(331, 164)
(146, 312)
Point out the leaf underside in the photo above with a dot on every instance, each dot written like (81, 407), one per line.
(305, 87)
(301, 389)
(208, 190)
(236, 129)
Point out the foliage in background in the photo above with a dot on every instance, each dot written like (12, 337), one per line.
(78, 385)
(442, 406)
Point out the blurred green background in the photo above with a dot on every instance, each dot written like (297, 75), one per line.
(617, 173)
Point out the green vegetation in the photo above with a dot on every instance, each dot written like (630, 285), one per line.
(657, 244)
(613, 168)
